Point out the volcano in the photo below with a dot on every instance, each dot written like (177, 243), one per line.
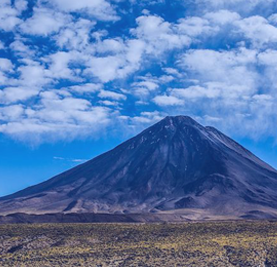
(177, 167)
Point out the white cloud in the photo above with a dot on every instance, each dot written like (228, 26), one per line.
(106, 68)
(75, 35)
(194, 92)
(2, 46)
(20, 5)
(33, 74)
(59, 65)
(172, 71)
(195, 27)
(262, 98)
(258, 30)
(268, 60)
(273, 19)
(58, 117)
(85, 88)
(12, 112)
(239, 5)
(229, 89)
(20, 49)
(134, 53)
(14, 94)
(113, 46)
(44, 21)
(147, 84)
(70, 160)
(222, 17)
(225, 67)
(146, 118)
(9, 15)
(159, 35)
(6, 64)
(111, 95)
(117, 65)
(165, 100)
(32, 78)
(228, 67)
(99, 9)
(3, 78)
(108, 103)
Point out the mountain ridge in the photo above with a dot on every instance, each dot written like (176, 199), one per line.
(176, 164)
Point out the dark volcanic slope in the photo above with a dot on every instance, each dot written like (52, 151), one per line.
(175, 164)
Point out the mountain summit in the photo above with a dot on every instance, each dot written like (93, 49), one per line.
(176, 166)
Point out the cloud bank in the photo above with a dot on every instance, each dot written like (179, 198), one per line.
(71, 69)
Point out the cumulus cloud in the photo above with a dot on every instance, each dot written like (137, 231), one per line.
(268, 61)
(227, 89)
(146, 117)
(195, 92)
(240, 5)
(44, 21)
(159, 35)
(111, 95)
(57, 116)
(5, 64)
(68, 68)
(10, 12)
(116, 63)
(168, 101)
(146, 86)
(32, 76)
(258, 30)
(75, 35)
(222, 17)
(99, 9)
(85, 88)
(59, 65)
(14, 94)
(106, 68)
(195, 26)
(226, 67)
(19, 48)
(2, 46)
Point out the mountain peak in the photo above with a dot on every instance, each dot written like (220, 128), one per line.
(169, 126)
(176, 164)
(179, 118)
(179, 121)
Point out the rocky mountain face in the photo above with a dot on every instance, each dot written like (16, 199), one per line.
(176, 167)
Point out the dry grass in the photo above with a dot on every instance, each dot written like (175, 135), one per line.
(191, 244)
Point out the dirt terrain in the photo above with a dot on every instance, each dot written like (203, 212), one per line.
(188, 244)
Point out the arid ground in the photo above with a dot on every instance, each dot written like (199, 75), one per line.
(189, 244)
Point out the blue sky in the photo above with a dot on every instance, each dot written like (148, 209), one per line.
(79, 77)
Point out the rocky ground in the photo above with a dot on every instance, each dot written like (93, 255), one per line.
(188, 244)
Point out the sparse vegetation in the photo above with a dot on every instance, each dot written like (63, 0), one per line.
(190, 244)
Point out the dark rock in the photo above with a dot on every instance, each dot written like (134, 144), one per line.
(175, 164)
